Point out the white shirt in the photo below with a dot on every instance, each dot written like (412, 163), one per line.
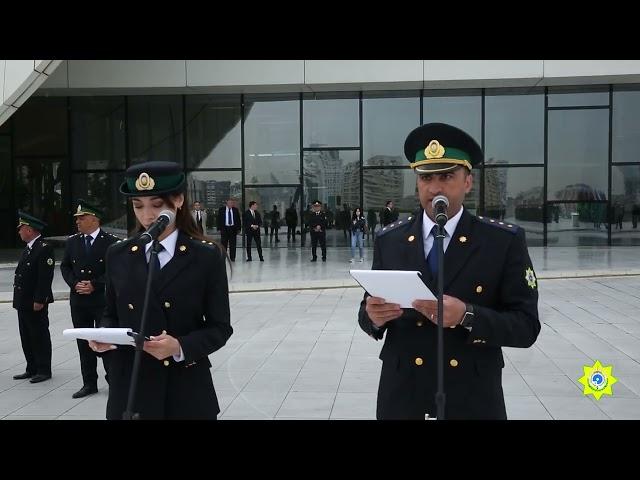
(169, 245)
(450, 228)
(30, 244)
(93, 235)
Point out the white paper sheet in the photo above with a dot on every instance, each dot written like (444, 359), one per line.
(116, 336)
(395, 286)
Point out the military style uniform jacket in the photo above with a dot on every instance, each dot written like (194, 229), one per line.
(77, 266)
(190, 300)
(33, 276)
(486, 264)
(318, 219)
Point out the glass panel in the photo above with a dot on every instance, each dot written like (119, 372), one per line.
(386, 122)
(382, 185)
(40, 127)
(333, 177)
(5, 128)
(213, 131)
(514, 129)
(515, 195)
(578, 96)
(102, 190)
(626, 126)
(212, 190)
(460, 109)
(41, 189)
(625, 196)
(577, 224)
(9, 235)
(281, 198)
(578, 154)
(97, 133)
(155, 128)
(331, 123)
(6, 179)
(272, 142)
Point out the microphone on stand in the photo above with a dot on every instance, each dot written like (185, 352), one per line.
(165, 219)
(440, 204)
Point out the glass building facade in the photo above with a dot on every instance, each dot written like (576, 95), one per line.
(562, 162)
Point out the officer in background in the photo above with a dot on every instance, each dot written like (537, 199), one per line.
(251, 223)
(229, 225)
(318, 228)
(31, 296)
(83, 268)
(490, 301)
(200, 217)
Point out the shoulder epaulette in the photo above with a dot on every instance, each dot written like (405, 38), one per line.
(509, 227)
(396, 225)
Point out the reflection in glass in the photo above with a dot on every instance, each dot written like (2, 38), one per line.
(41, 189)
(102, 189)
(213, 131)
(515, 195)
(40, 127)
(272, 142)
(578, 96)
(386, 122)
(625, 209)
(578, 154)
(460, 109)
(514, 129)
(267, 197)
(6, 179)
(155, 128)
(381, 185)
(577, 224)
(626, 126)
(97, 133)
(212, 190)
(330, 123)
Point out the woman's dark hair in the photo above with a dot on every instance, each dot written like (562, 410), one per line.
(353, 217)
(184, 222)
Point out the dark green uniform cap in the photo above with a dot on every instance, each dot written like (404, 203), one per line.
(86, 209)
(31, 221)
(150, 179)
(438, 148)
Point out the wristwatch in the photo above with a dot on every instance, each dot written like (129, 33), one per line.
(467, 318)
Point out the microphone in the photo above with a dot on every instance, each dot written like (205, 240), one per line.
(440, 204)
(165, 219)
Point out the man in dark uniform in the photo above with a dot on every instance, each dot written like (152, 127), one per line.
(490, 301)
(388, 214)
(318, 227)
(83, 268)
(229, 226)
(291, 217)
(252, 223)
(31, 296)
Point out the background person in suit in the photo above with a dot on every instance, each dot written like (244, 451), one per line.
(31, 298)
(252, 223)
(490, 301)
(83, 268)
(188, 317)
(229, 226)
(200, 217)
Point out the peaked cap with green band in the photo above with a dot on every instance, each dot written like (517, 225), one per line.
(31, 221)
(439, 148)
(150, 179)
(86, 209)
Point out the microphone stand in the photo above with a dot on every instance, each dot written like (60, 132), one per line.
(440, 395)
(129, 414)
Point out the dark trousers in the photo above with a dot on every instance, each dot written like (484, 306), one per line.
(274, 228)
(228, 236)
(36, 340)
(255, 236)
(322, 237)
(291, 232)
(88, 317)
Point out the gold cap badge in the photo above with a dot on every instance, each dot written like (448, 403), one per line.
(145, 182)
(434, 150)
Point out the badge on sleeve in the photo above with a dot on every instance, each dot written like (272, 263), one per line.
(49, 261)
(530, 277)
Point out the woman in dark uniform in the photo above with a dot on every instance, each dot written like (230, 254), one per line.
(188, 313)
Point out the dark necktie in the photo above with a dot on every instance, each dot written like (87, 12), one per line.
(156, 257)
(87, 243)
(229, 219)
(432, 258)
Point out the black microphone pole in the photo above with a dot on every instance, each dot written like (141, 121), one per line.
(139, 338)
(441, 219)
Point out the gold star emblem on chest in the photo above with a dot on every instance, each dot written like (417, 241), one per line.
(462, 239)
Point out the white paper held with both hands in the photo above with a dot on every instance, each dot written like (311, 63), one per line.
(116, 336)
(395, 286)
